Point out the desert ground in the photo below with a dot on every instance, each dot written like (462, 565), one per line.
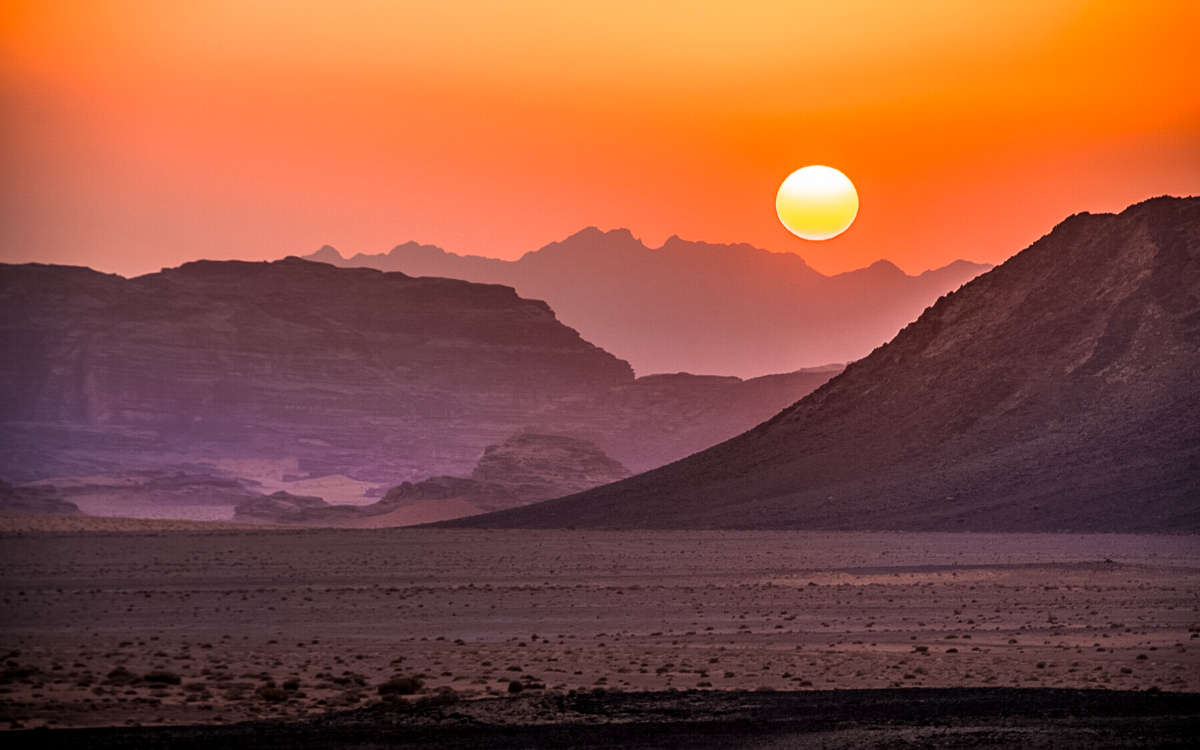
(124, 623)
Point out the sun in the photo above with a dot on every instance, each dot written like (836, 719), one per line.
(817, 202)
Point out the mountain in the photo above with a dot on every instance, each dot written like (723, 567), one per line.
(44, 500)
(694, 306)
(200, 387)
(141, 493)
(356, 370)
(1056, 392)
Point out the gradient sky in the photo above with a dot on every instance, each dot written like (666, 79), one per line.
(138, 135)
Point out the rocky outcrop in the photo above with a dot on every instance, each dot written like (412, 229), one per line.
(154, 494)
(524, 469)
(545, 466)
(449, 488)
(284, 507)
(1056, 392)
(695, 306)
(658, 419)
(37, 500)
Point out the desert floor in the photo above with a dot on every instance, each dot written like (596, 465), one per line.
(261, 623)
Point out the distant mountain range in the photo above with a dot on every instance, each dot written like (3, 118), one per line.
(693, 306)
(215, 382)
(1059, 391)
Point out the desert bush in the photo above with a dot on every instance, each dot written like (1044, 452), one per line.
(401, 686)
(121, 676)
(14, 672)
(292, 684)
(272, 693)
(443, 696)
(162, 677)
(515, 687)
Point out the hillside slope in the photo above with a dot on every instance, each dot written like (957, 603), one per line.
(1056, 392)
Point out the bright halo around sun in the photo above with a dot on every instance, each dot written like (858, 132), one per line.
(817, 202)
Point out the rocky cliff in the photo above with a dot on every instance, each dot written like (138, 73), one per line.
(41, 500)
(371, 374)
(1056, 392)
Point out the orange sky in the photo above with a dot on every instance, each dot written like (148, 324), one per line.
(138, 135)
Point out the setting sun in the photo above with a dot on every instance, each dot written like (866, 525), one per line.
(817, 203)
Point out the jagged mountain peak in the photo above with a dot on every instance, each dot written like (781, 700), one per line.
(691, 306)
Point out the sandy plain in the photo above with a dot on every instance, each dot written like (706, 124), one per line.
(247, 624)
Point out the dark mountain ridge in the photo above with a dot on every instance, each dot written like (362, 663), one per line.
(695, 306)
(355, 369)
(1055, 392)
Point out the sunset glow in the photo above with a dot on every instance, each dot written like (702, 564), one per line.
(144, 134)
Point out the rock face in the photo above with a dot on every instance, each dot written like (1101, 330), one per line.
(658, 419)
(39, 500)
(695, 306)
(539, 467)
(1056, 392)
(157, 494)
(370, 374)
(524, 469)
(184, 393)
(284, 507)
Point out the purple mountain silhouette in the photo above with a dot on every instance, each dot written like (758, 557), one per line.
(694, 306)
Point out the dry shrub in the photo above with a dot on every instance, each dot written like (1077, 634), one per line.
(401, 686)
(271, 693)
(443, 696)
(162, 677)
(121, 676)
